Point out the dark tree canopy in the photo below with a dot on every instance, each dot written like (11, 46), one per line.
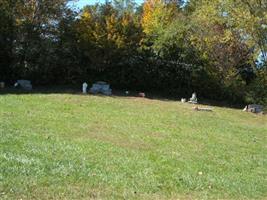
(217, 48)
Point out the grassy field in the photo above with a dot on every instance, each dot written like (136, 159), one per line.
(67, 146)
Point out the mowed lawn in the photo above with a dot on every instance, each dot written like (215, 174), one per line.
(67, 146)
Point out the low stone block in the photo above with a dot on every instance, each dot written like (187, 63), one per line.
(24, 84)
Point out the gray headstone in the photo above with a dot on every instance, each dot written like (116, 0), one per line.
(2, 85)
(255, 108)
(25, 84)
(101, 87)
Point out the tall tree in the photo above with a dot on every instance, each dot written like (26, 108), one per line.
(108, 37)
(7, 30)
(250, 18)
(35, 31)
(214, 35)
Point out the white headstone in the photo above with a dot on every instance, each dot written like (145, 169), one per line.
(193, 99)
(85, 85)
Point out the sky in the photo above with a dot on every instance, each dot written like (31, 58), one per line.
(82, 3)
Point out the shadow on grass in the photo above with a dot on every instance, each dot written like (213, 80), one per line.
(75, 90)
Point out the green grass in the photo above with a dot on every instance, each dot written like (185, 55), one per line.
(64, 146)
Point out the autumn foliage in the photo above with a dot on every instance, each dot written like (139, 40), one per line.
(217, 48)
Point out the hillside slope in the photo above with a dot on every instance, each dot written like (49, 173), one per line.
(64, 146)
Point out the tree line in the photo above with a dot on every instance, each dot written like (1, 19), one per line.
(217, 48)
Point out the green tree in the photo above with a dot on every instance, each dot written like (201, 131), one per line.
(7, 34)
(109, 39)
(34, 35)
